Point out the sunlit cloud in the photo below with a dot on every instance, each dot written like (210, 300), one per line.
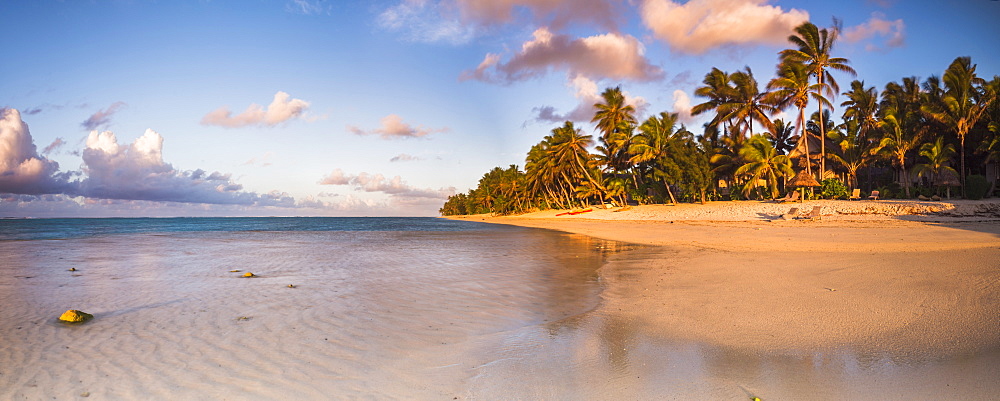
(394, 186)
(22, 169)
(283, 108)
(893, 32)
(587, 94)
(614, 56)
(700, 25)
(682, 106)
(426, 21)
(102, 118)
(262, 161)
(393, 127)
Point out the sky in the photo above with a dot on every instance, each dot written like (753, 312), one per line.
(381, 108)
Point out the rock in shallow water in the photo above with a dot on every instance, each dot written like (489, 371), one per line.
(75, 316)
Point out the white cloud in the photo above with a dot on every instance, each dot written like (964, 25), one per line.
(403, 157)
(262, 161)
(459, 21)
(700, 25)
(394, 186)
(281, 109)
(22, 170)
(893, 32)
(612, 55)
(307, 7)
(587, 94)
(682, 106)
(393, 127)
(102, 118)
(424, 21)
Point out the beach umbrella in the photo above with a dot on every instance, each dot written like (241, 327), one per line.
(803, 179)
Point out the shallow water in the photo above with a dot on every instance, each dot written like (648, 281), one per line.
(386, 309)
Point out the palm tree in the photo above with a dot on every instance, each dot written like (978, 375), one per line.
(814, 47)
(652, 143)
(781, 136)
(962, 103)
(615, 120)
(792, 88)
(897, 142)
(719, 90)
(763, 163)
(569, 150)
(938, 154)
(853, 150)
(862, 105)
(747, 102)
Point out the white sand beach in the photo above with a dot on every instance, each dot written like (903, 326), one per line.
(876, 300)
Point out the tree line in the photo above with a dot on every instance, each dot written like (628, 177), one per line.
(915, 138)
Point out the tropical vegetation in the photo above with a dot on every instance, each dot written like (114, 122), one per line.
(911, 139)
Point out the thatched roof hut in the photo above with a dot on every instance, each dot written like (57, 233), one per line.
(803, 179)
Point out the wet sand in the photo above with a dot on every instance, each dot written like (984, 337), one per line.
(870, 306)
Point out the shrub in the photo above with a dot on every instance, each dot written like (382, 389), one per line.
(976, 186)
(832, 188)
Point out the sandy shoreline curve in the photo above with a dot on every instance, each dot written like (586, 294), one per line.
(912, 280)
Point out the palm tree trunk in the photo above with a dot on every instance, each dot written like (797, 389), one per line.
(673, 201)
(803, 136)
(822, 135)
(961, 174)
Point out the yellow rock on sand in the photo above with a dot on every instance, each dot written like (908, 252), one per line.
(75, 316)
(248, 274)
(234, 270)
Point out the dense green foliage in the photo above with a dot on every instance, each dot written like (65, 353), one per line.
(913, 138)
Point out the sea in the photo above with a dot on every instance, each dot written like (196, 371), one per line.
(337, 308)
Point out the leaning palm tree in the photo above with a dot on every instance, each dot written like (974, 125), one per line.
(748, 103)
(569, 150)
(897, 142)
(814, 47)
(792, 88)
(963, 103)
(763, 163)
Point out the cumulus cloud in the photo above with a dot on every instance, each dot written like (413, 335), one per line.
(137, 172)
(281, 109)
(394, 186)
(612, 55)
(682, 106)
(700, 25)
(587, 94)
(393, 127)
(893, 32)
(403, 157)
(102, 118)
(459, 21)
(22, 170)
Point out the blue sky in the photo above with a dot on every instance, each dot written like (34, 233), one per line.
(377, 108)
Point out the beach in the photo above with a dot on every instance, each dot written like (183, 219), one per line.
(595, 306)
(875, 300)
